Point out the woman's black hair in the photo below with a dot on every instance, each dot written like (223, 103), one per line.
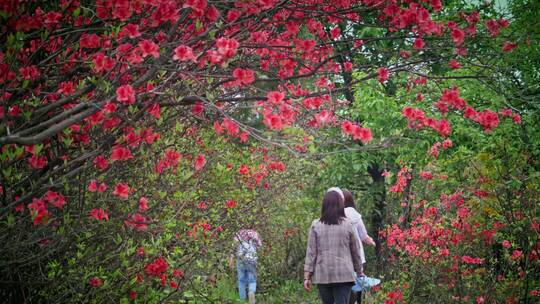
(349, 200)
(332, 212)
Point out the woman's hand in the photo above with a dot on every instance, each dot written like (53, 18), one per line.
(369, 241)
(307, 284)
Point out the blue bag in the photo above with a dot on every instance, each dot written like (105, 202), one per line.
(364, 283)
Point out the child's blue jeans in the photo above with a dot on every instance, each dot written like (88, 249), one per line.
(247, 278)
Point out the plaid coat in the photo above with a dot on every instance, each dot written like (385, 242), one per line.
(333, 253)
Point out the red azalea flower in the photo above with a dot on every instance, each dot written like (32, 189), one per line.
(120, 153)
(121, 190)
(125, 94)
(143, 204)
(383, 75)
(200, 161)
(37, 162)
(231, 204)
(96, 282)
(275, 97)
(198, 108)
(184, 53)
(99, 214)
(101, 163)
(149, 48)
(55, 199)
(156, 268)
(244, 76)
(243, 169)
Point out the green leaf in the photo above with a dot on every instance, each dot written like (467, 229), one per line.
(76, 12)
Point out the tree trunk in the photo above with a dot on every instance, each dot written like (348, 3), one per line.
(379, 211)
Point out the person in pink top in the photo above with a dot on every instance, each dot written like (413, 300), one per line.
(246, 242)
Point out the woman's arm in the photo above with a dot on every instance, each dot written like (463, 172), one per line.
(311, 258)
(362, 232)
(354, 245)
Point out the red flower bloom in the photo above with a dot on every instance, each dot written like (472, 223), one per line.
(508, 46)
(487, 119)
(231, 204)
(273, 121)
(120, 153)
(426, 175)
(418, 43)
(157, 267)
(231, 126)
(275, 97)
(29, 72)
(363, 134)
(184, 53)
(121, 190)
(198, 108)
(227, 47)
(66, 88)
(19, 208)
(125, 94)
(243, 76)
(177, 273)
(516, 118)
(99, 214)
(89, 41)
(347, 66)
(136, 221)
(200, 161)
(130, 30)
(243, 169)
(39, 211)
(383, 75)
(244, 136)
(458, 36)
(493, 27)
(149, 48)
(324, 117)
(37, 162)
(454, 64)
(55, 199)
(335, 32)
(143, 204)
(447, 143)
(470, 260)
(212, 13)
(101, 162)
(93, 186)
(279, 166)
(232, 16)
(347, 127)
(197, 6)
(102, 62)
(96, 282)
(155, 110)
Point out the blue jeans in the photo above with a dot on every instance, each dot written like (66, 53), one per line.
(247, 278)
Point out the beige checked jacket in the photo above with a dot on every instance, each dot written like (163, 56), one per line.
(333, 253)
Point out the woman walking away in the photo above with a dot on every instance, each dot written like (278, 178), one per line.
(333, 252)
(356, 219)
(247, 242)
